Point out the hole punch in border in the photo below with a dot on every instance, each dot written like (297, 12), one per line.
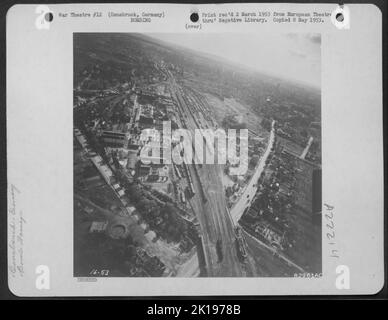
(340, 17)
(194, 16)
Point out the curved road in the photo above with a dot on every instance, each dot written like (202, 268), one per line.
(246, 198)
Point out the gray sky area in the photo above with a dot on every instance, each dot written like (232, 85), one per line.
(289, 56)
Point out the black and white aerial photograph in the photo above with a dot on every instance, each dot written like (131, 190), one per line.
(197, 155)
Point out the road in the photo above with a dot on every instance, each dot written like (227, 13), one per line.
(306, 150)
(247, 196)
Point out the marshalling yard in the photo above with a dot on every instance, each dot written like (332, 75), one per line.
(162, 219)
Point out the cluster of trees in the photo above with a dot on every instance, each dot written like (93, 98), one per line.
(164, 220)
(266, 124)
(230, 122)
(253, 162)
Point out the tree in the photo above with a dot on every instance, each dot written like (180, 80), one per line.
(229, 191)
(230, 122)
(134, 193)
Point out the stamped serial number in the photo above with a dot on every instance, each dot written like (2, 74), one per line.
(307, 275)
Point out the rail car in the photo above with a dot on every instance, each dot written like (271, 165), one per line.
(183, 198)
(240, 245)
(190, 189)
(219, 250)
(178, 172)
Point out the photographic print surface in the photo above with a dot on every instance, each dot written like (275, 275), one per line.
(197, 155)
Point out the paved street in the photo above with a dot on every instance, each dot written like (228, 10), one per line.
(247, 196)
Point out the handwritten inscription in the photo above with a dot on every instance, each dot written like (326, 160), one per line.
(16, 222)
(330, 231)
